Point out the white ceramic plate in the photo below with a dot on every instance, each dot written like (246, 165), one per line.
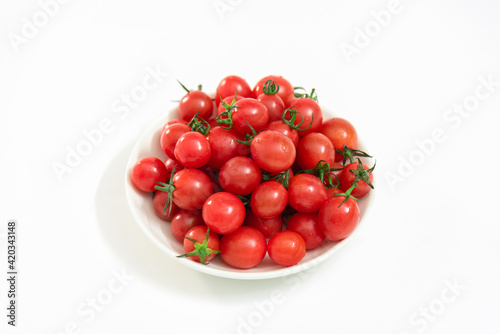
(158, 231)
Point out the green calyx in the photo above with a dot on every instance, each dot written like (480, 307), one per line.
(350, 153)
(270, 87)
(248, 136)
(283, 177)
(293, 116)
(300, 92)
(199, 125)
(225, 119)
(201, 249)
(168, 188)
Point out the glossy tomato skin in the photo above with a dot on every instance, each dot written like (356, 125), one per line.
(183, 221)
(310, 112)
(286, 248)
(159, 200)
(313, 148)
(228, 85)
(244, 248)
(192, 150)
(272, 151)
(347, 178)
(340, 132)
(274, 105)
(240, 176)
(192, 188)
(170, 136)
(223, 146)
(283, 128)
(269, 199)
(223, 212)
(285, 92)
(330, 192)
(306, 193)
(198, 233)
(336, 222)
(171, 163)
(306, 224)
(249, 111)
(194, 102)
(268, 227)
(147, 172)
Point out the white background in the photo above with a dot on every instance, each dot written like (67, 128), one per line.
(436, 225)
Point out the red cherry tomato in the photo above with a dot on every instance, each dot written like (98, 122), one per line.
(268, 227)
(286, 248)
(147, 172)
(192, 150)
(244, 248)
(309, 113)
(269, 199)
(223, 146)
(306, 193)
(306, 224)
(273, 151)
(192, 188)
(347, 177)
(194, 102)
(198, 233)
(338, 221)
(240, 176)
(313, 148)
(223, 213)
(183, 221)
(274, 105)
(162, 211)
(340, 132)
(171, 163)
(285, 92)
(170, 136)
(283, 128)
(229, 85)
(249, 112)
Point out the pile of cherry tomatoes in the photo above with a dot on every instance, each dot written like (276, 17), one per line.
(255, 171)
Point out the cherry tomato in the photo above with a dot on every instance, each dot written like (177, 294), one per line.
(274, 105)
(283, 128)
(306, 193)
(309, 113)
(223, 146)
(285, 92)
(194, 102)
(227, 87)
(269, 199)
(147, 172)
(183, 221)
(192, 188)
(330, 192)
(174, 121)
(249, 112)
(338, 221)
(192, 150)
(272, 151)
(244, 248)
(286, 248)
(170, 136)
(198, 233)
(240, 176)
(228, 100)
(313, 148)
(171, 163)
(165, 213)
(347, 177)
(223, 213)
(268, 227)
(306, 224)
(340, 132)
